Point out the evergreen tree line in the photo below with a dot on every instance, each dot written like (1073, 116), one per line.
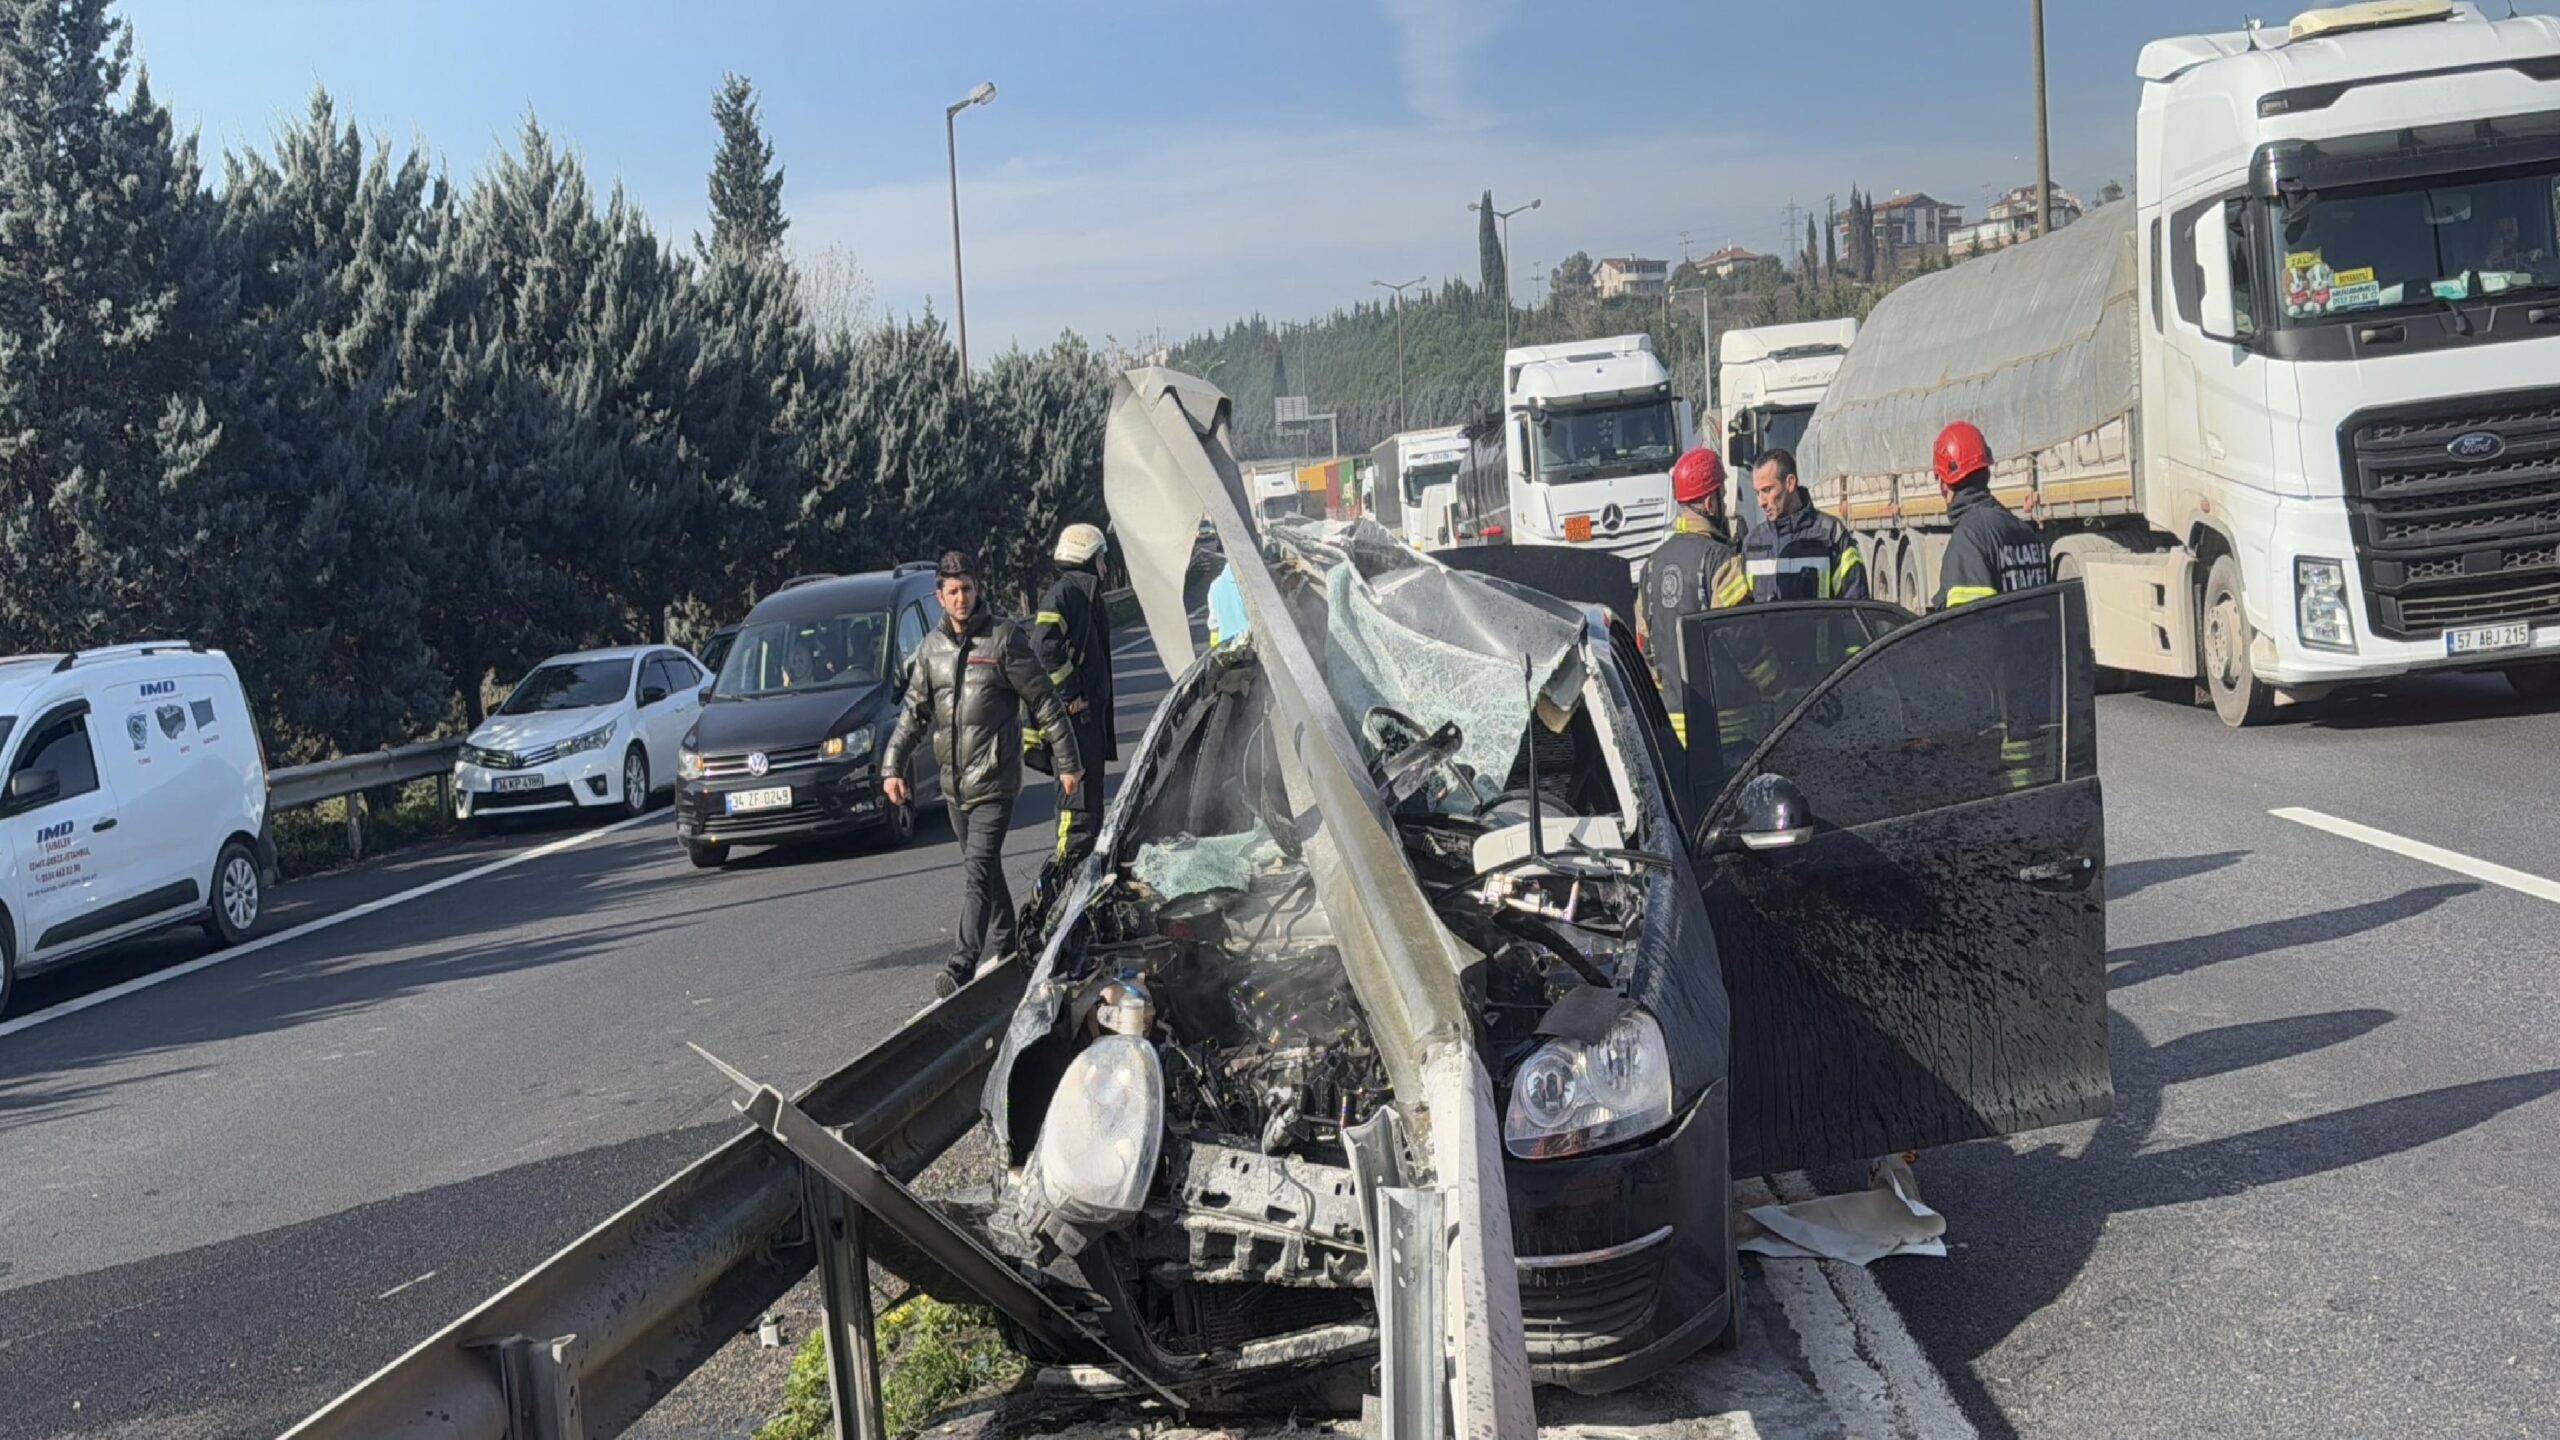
(384, 437)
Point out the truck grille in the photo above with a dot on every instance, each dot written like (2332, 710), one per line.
(2442, 542)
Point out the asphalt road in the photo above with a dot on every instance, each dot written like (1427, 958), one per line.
(2323, 1206)
(2325, 1203)
(230, 1196)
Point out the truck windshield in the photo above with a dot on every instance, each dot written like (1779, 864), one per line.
(1758, 431)
(576, 685)
(1599, 441)
(1419, 477)
(809, 653)
(2422, 242)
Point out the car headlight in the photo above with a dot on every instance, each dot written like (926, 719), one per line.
(688, 765)
(1571, 1097)
(595, 739)
(1099, 1145)
(2320, 604)
(851, 745)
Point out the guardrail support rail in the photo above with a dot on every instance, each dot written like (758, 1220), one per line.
(844, 1286)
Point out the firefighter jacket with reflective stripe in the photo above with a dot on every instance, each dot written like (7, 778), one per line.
(1073, 633)
(968, 691)
(1992, 552)
(1690, 571)
(1804, 555)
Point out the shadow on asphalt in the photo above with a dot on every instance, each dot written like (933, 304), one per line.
(2132, 877)
(1973, 1306)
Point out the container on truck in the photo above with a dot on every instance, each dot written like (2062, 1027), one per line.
(1414, 485)
(2292, 415)
(1589, 432)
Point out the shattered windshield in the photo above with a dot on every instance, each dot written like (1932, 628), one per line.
(2352, 251)
(1601, 441)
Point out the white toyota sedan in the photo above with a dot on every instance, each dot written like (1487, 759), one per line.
(597, 730)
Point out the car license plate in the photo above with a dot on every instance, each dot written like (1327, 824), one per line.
(512, 784)
(777, 798)
(2486, 639)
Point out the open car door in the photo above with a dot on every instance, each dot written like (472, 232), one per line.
(1905, 875)
(1742, 670)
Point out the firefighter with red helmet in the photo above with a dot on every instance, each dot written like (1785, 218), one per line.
(1992, 551)
(1697, 567)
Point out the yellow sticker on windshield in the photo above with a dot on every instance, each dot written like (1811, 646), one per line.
(2356, 277)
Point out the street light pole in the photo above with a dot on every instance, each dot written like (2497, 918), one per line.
(1402, 418)
(1504, 216)
(2044, 155)
(985, 92)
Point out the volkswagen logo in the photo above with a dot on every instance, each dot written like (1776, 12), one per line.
(757, 764)
(2477, 445)
(1611, 517)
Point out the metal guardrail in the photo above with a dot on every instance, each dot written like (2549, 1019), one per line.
(301, 785)
(585, 1343)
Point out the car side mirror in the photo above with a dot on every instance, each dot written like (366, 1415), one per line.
(1770, 814)
(652, 694)
(705, 693)
(30, 788)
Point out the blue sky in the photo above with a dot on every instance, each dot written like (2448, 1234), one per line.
(1151, 166)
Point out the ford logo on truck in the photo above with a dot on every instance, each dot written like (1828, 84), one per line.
(2476, 446)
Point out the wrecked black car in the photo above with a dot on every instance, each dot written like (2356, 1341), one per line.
(1423, 835)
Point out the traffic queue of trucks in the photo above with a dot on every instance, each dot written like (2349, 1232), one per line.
(2292, 415)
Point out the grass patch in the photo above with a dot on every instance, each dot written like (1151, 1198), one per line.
(932, 1356)
(314, 838)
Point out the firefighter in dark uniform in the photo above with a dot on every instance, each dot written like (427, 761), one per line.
(1994, 552)
(1801, 553)
(1073, 635)
(1697, 567)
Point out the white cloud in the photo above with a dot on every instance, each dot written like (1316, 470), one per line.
(1175, 230)
(1441, 46)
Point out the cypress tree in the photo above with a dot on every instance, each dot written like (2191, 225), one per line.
(746, 184)
(1489, 252)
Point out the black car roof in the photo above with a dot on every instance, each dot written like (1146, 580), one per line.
(878, 590)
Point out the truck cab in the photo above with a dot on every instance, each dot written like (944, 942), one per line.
(1591, 433)
(1769, 379)
(2350, 279)
(1414, 478)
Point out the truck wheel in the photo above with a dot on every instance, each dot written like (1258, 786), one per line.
(2238, 695)
(2535, 682)
(237, 895)
(1910, 591)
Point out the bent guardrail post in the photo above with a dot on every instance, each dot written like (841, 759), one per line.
(650, 1293)
(1167, 463)
(844, 1295)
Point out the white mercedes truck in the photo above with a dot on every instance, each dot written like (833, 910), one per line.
(1588, 433)
(2292, 414)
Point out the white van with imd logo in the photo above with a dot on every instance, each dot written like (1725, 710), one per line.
(133, 797)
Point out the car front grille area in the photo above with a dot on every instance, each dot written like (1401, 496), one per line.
(488, 800)
(2444, 541)
(1587, 1312)
(735, 767)
(509, 759)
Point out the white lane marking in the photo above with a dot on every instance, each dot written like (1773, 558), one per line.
(405, 1284)
(2519, 881)
(313, 927)
(1864, 1361)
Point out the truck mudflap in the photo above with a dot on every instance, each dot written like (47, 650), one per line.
(1907, 881)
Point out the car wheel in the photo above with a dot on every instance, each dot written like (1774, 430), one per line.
(635, 782)
(2238, 695)
(706, 857)
(2534, 682)
(238, 895)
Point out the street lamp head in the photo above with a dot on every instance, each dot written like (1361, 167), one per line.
(985, 92)
(1534, 204)
(1473, 207)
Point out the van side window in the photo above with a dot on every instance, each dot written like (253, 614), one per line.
(911, 631)
(63, 748)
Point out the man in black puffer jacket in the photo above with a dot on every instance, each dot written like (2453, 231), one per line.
(973, 678)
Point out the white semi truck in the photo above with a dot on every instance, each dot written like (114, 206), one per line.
(1769, 379)
(1582, 452)
(1414, 485)
(2293, 414)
